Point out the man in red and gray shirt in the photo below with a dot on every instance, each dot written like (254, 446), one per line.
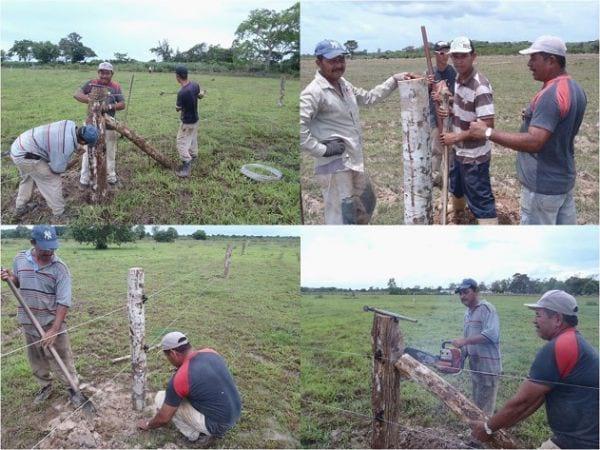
(470, 172)
(201, 398)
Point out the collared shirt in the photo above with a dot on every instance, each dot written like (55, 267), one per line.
(472, 100)
(42, 288)
(115, 95)
(483, 320)
(326, 115)
(54, 143)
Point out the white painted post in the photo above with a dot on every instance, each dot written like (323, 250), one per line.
(414, 111)
(137, 329)
(227, 260)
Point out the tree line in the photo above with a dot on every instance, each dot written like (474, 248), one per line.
(517, 284)
(267, 40)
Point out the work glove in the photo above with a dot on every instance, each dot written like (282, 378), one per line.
(336, 147)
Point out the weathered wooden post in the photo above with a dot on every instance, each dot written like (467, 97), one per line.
(414, 106)
(135, 308)
(244, 247)
(227, 260)
(97, 154)
(388, 346)
(281, 91)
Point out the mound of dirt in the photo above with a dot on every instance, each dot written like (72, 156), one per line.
(112, 427)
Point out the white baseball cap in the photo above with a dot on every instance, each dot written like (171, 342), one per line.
(461, 44)
(547, 44)
(173, 340)
(105, 66)
(557, 301)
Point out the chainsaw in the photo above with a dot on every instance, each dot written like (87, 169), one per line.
(450, 360)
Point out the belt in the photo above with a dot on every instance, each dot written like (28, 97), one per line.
(32, 156)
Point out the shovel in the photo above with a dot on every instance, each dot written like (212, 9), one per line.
(78, 399)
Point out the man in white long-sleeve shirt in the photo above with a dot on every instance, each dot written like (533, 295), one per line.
(330, 131)
(41, 155)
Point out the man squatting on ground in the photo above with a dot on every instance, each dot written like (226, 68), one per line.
(114, 102)
(330, 131)
(187, 136)
(546, 154)
(41, 155)
(470, 172)
(44, 282)
(564, 375)
(441, 71)
(201, 398)
(481, 344)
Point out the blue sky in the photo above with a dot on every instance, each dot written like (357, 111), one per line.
(437, 256)
(393, 25)
(128, 26)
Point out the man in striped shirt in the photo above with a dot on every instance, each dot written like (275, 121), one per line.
(470, 172)
(44, 282)
(41, 155)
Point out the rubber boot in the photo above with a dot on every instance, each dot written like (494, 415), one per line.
(491, 221)
(184, 170)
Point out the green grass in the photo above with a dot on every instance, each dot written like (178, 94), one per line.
(251, 318)
(239, 123)
(513, 89)
(336, 362)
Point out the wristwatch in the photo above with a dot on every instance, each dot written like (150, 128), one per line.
(487, 429)
(488, 133)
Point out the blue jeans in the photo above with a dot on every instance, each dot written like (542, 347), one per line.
(542, 209)
(473, 181)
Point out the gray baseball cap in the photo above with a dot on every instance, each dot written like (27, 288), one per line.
(557, 301)
(173, 340)
(547, 44)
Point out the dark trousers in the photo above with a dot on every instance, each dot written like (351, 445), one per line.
(473, 182)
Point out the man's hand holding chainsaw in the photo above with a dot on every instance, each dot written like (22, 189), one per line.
(461, 342)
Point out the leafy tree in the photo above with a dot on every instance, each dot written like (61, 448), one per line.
(4, 55)
(199, 235)
(140, 231)
(163, 50)
(102, 235)
(122, 58)
(196, 53)
(73, 50)
(520, 284)
(23, 49)
(268, 36)
(45, 52)
(351, 46)
(393, 288)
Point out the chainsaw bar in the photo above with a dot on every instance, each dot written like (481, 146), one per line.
(421, 356)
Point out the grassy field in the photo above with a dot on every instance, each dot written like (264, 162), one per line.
(513, 88)
(239, 123)
(251, 318)
(336, 366)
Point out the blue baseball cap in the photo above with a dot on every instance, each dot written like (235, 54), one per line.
(89, 133)
(182, 71)
(329, 49)
(45, 237)
(466, 284)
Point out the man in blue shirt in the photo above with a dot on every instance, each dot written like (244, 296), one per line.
(41, 155)
(187, 136)
(564, 375)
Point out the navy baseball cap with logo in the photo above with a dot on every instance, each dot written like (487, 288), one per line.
(330, 49)
(45, 237)
(466, 284)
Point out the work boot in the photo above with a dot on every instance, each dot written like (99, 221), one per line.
(43, 394)
(22, 210)
(204, 440)
(490, 221)
(457, 204)
(184, 170)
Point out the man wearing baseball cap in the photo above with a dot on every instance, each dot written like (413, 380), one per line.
(41, 155)
(115, 101)
(201, 398)
(442, 71)
(545, 142)
(44, 282)
(330, 131)
(470, 172)
(564, 375)
(481, 344)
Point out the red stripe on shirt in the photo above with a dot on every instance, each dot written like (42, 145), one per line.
(566, 352)
(563, 94)
(181, 381)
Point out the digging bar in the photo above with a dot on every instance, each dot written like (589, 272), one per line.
(80, 397)
(388, 313)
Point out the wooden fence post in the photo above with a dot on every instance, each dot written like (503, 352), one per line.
(135, 307)
(227, 260)
(281, 91)
(388, 345)
(452, 398)
(244, 247)
(414, 111)
(97, 153)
